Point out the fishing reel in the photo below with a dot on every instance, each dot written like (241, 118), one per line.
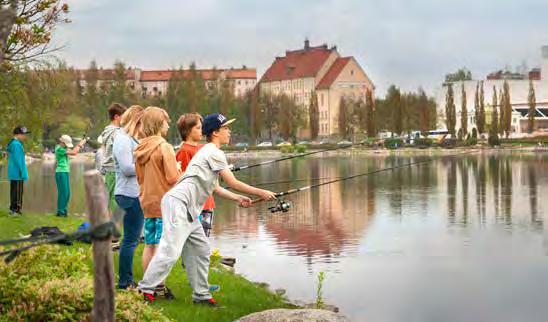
(281, 206)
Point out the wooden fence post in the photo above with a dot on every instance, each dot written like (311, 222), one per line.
(103, 301)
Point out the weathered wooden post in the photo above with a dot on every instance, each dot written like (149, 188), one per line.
(103, 302)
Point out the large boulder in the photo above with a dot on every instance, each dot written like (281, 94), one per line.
(300, 315)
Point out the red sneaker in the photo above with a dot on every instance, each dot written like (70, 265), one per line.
(210, 302)
(149, 297)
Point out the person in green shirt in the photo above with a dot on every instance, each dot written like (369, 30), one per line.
(63, 150)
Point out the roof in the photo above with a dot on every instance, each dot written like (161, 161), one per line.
(298, 64)
(244, 73)
(333, 72)
(205, 74)
(106, 74)
(156, 75)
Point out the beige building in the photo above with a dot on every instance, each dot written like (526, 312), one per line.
(155, 82)
(321, 71)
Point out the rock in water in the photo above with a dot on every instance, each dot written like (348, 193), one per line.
(286, 315)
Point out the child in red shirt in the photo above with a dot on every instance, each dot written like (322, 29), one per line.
(190, 129)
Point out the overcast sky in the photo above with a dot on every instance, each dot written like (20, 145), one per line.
(409, 43)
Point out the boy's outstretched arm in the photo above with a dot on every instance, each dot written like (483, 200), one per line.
(236, 184)
(242, 201)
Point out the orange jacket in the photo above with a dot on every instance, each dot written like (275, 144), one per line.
(157, 172)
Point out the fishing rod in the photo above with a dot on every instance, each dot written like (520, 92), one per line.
(346, 146)
(284, 206)
(268, 183)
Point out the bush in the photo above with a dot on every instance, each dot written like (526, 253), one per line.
(474, 133)
(423, 142)
(493, 139)
(393, 143)
(448, 143)
(51, 283)
(300, 148)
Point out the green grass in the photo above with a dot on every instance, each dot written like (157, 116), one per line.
(237, 297)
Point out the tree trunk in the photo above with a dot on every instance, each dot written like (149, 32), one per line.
(7, 19)
(103, 301)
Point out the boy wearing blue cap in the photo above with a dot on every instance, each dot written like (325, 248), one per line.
(17, 169)
(181, 207)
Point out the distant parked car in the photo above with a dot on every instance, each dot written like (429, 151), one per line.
(324, 142)
(265, 144)
(303, 143)
(344, 142)
(242, 145)
(284, 144)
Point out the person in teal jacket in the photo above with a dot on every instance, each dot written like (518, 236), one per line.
(17, 169)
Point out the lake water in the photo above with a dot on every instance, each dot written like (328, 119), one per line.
(456, 239)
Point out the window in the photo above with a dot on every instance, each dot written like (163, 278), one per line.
(351, 72)
(239, 82)
(321, 99)
(155, 89)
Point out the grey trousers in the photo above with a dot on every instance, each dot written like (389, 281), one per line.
(179, 235)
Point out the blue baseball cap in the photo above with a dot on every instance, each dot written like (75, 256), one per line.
(213, 122)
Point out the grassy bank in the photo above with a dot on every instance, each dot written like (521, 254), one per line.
(237, 297)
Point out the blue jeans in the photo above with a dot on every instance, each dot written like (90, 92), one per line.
(133, 225)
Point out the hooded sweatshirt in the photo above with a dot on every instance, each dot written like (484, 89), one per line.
(108, 135)
(157, 172)
(17, 167)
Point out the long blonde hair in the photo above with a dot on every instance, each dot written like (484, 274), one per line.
(152, 120)
(131, 120)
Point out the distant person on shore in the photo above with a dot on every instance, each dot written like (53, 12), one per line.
(126, 192)
(63, 150)
(157, 171)
(115, 112)
(181, 207)
(17, 169)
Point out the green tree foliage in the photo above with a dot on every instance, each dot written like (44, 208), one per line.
(506, 106)
(450, 113)
(481, 115)
(314, 116)
(290, 117)
(532, 101)
(344, 118)
(463, 112)
(395, 106)
(494, 128)
(420, 111)
(463, 74)
(30, 30)
(425, 111)
(370, 115)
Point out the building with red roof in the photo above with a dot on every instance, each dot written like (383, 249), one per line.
(320, 71)
(155, 82)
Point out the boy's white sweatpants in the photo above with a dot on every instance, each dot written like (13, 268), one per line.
(179, 234)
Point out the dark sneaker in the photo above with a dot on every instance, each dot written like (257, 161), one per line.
(209, 302)
(14, 213)
(165, 292)
(131, 286)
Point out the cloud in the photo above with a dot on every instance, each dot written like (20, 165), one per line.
(407, 42)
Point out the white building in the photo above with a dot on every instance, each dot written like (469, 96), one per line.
(519, 92)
